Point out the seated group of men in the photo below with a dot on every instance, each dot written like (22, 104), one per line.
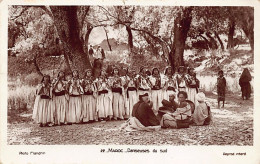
(171, 114)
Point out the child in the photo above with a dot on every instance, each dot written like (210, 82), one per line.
(42, 112)
(104, 98)
(88, 99)
(75, 103)
(221, 88)
(60, 103)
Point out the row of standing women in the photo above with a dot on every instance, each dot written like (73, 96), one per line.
(74, 100)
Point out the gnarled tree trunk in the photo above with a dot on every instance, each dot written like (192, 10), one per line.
(181, 28)
(220, 41)
(231, 32)
(130, 37)
(67, 23)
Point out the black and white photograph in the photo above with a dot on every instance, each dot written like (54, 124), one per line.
(138, 75)
(131, 75)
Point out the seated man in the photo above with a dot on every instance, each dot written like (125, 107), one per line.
(202, 114)
(183, 112)
(168, 106)
(144, 113)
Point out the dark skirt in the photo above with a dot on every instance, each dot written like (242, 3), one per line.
(246, 90)
(221, 95)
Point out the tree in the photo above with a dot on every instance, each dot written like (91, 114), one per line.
(181, 28)
(69, 25)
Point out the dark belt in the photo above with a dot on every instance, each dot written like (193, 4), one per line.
(143, 89)
(88, 93)
(61, 93)
(117, 90)
(74, 95)
(130, 89)
(171, 89)
(182, 87)
(194, 86)
(156, 88)
(45, 97)
(102, 92)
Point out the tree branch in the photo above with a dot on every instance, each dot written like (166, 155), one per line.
(17, 16)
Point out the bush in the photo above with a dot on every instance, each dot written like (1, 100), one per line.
(21, 97)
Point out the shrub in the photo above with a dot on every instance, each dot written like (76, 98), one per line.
(21, 97)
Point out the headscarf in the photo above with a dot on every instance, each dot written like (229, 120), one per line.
(166, 70)
(180, 68)
(245, 76)
(154, 70)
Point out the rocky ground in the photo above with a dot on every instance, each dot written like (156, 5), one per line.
(232, 125)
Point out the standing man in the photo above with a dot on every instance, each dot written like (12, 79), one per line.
(91, 54)
(100, 54)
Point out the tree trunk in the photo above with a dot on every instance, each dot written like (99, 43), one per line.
(67, 24)
(130, 37)
(220, 41)
(181, 28)
(86, 39)
(231, 32)
(109, 46)
(212, 41)
(37, 67)
(250, 35)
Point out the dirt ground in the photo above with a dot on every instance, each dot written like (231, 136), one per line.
(232, 125)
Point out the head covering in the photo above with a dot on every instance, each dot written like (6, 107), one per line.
(245, 76)
(166, 69)
(220, 71)
(141, 69)
(47, 76)
(115, 68)
(180, 68)
(154, 70)
(143, 95)
(200, 97)
(103, 70)
(88, 70)
(189, 69)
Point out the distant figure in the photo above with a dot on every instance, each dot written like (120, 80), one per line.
(91, 55)
(91, 51)
(244, 82)
(100, 54)
(221, 87)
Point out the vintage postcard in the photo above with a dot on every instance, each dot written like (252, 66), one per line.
(129, 81)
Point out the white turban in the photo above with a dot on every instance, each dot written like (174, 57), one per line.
(200, 97)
